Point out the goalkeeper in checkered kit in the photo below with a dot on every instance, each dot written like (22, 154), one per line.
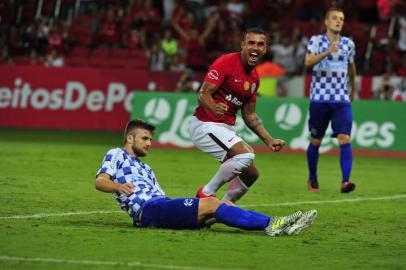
(137, 191)
(332, 58)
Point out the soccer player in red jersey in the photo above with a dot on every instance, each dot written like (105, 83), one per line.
(231, 84)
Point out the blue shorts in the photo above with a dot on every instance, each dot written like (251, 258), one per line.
(340, 115)
(171, 213)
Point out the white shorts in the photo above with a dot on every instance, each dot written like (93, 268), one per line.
(213, 138)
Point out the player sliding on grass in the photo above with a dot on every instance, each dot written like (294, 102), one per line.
(332, 59)
(138, 193)
(231, 84)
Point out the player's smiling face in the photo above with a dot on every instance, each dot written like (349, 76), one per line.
(253, 48)
(335, 21)
(140, 141)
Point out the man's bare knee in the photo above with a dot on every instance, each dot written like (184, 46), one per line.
(207, 208)
(316, 141)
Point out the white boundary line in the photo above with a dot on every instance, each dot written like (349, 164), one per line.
(108, 263)
(45, 215)
(384, 198)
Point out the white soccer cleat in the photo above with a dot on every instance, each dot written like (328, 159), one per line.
(303, 222)
(279, 224)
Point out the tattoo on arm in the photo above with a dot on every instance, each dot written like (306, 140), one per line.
(253, 122)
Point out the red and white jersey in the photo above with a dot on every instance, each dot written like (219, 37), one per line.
(236, 87)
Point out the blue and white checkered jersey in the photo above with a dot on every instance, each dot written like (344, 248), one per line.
(124, 168)
(330, 76)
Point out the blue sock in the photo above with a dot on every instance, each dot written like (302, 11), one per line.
(312, 160)
(236, 217)
(346, 161)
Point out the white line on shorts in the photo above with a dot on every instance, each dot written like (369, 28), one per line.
(107, 263)
(384, 198)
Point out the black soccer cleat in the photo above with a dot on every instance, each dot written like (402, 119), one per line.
(347, 187)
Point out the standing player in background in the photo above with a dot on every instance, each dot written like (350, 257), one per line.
(331, 91)
(231, 84)
(138, 193)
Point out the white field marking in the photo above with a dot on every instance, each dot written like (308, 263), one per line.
(45, 215)
(108, 263)
(384, 198)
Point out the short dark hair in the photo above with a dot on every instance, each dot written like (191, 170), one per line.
(332, 9)
(137, 123)
(255, 30)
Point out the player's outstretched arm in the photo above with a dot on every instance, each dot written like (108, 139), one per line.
(254, 123)
(104, 184)
(206, 100)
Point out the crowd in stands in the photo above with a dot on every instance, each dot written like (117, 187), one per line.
(179, 35)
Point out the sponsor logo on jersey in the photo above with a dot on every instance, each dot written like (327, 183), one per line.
(213, 74)
(253, 87)
(233, 100)
(188, 202)
(237, 81)
(246, 85)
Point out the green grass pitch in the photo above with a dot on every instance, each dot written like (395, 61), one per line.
(43, 172)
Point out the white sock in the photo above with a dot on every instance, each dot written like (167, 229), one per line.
(227, 171)
(235, 190)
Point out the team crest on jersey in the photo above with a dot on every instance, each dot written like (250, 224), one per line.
(188, 202)
(213, 74)
(253, 87)
(246, 85)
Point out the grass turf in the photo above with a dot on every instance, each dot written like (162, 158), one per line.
(46, 171)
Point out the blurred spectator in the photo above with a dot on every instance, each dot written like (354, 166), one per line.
(169, 7)
(55, 39)
(187, 84)
(232, 38)
(402, 32)
(54, 59)
(13, 41)
(169, 46)
(135, 39)
(150, 18)
(177, 64)
(387, 90)
(156, 58)
(274, 32)
(386, 8)
(286, 53)
(300, 43)
(236, 9)
(34, 59)
(197, 6)
(271, 79)
(109, 30)
(196, 53)
(86, 6)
